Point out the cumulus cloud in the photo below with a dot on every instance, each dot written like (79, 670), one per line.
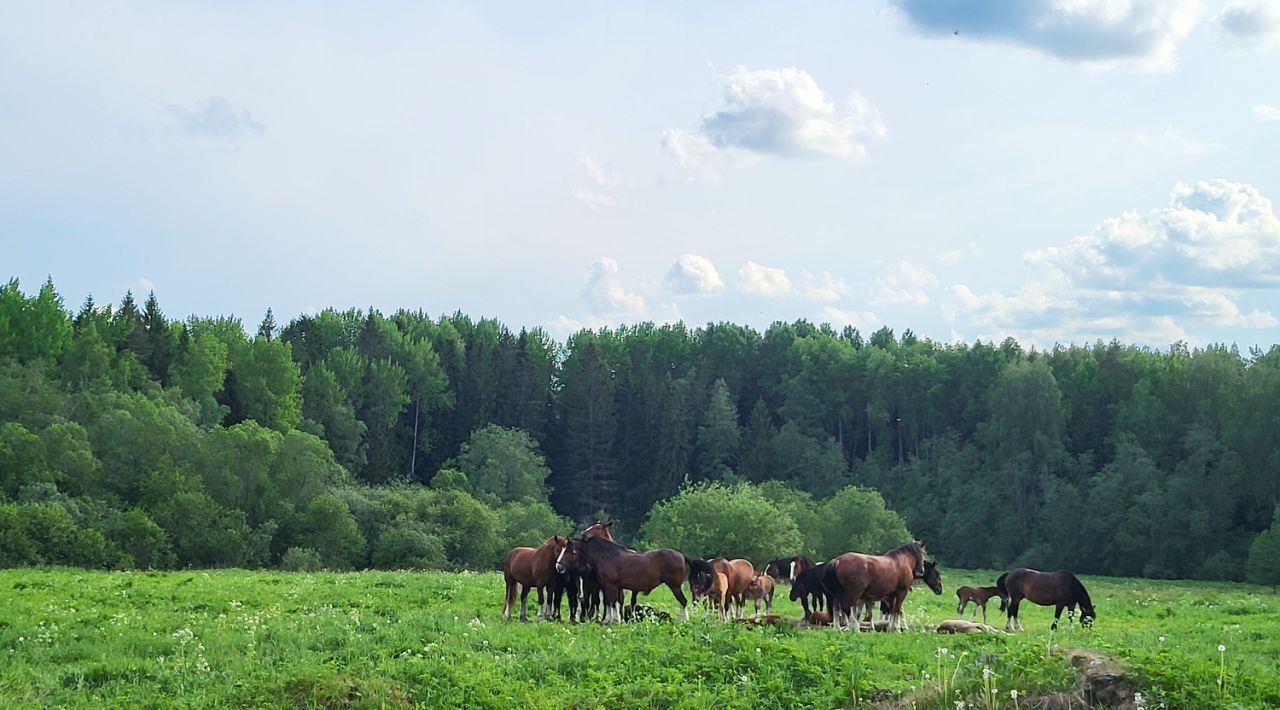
(955, 256)
(1254, 23)
(1096, 31)
(693, 274)
(822, 287)
(606, 294)
(775, 112)
(1266, 112)
(216, 117)
(763, 280)
(1139, 276)
(904, 284)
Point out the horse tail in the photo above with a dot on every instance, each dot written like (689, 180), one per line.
(1081, 595)
(1000, 585)
(696, 568)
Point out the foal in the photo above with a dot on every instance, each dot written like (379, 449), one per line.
(979, 596)
(761, 589)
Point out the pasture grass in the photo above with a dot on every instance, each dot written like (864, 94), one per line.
(73, 638)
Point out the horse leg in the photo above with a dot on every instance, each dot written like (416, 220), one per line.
(510, 599)
(524, 600)
(1012, 611)
(633, 603)
(960, 606)
(1057, 614)
(677, 591)
(984, 613)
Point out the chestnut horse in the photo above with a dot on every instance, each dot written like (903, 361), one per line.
(618, 569)
(740, 573)
(531, 569)
(979, 596)
(761, 590)
(873, 577)
(717, 593)
(1060, 589)
(786, 569)
(598, 529)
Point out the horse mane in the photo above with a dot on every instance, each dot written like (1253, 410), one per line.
(607, 546)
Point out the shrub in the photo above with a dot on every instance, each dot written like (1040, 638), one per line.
(713, 520)
(301, 559)
(327, 526)
(406, 544)
(856, 519)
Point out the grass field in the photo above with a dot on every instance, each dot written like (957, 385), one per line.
(374, 639)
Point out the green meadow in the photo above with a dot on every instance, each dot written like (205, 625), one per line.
(73, 638)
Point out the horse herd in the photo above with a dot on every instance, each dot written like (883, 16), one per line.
(594, 572)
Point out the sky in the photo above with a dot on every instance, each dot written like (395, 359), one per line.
(1058, 171)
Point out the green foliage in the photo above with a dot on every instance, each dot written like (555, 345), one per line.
(529, 523)
(718, 436)
(857, 520)
(1264, 555)
(268, 385)
(503, 465)
(144, 543)
(327, 526)
(301, 559)
(710, 520)
(408, 544)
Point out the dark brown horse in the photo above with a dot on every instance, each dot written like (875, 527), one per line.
(618, 570)
(1058, 589)
(979, 596)
(531, 569)
(807, 588)
(786, 569)
(853, 577)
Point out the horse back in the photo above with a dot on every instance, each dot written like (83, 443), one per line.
(878, 575)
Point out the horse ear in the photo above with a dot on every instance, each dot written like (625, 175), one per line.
(609, 524)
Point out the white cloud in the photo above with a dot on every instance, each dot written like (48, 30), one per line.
(1266, 112)
(857, 319)
(1140, 277)
(780, 112)
(603, 174)
(596, 201)
(606, 294)
(763, 280)
(1147, 32)
(955, 256)
(1255, 23)
(216, 117)
(1171, 141)
(822, 287)
(145, 285)
(693, 274)
(905, 284)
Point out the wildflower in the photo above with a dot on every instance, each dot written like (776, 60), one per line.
(1222, 649)
(1013, 694)
(757, 649)
(1161, 639)
(986, 673)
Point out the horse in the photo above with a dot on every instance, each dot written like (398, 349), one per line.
(786, 569)
(1060, 589)
(598, 529)
(531, 569)
(853, 576)
(761, 589)
(618, 569)
(807, 588)
(718, 593)
(979, 596)
(740, 573)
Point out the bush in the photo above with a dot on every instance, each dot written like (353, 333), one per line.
(406, 544)
(301, 559)
(503, 465)
(46, 534)
(138, 536)
(530, 524)
(713, 520)
(327, 526)
(1264, 555)
(856, 519)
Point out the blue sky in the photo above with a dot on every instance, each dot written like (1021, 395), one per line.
(1055, 170)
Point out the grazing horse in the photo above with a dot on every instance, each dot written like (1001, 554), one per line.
(853, 576)
(761, 589)
(786, 569)
(1060, 589)
(618, 569)
(531, 569)
(979, 596)
(740, 573)
(807, 588)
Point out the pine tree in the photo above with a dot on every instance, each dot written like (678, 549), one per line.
(718, 436)
(267, 328)
(588, 470)
(755, 463)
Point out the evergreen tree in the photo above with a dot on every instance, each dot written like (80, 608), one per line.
(267, 328)
(718, 436)
(589, 472)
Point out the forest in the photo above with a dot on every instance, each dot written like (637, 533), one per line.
(353, 438)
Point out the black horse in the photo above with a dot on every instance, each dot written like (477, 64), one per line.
(1060, 589)
(786, 569)
(808, 589)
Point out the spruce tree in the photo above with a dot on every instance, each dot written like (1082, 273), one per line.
(718, 435)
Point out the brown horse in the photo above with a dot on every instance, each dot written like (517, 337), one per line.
(761, 590)
(852, 577)
(786, 569)
(718, 594)
(531, 569)
(932, 579)
(740, 573)
(618, 570)
(1059, 589)
(598, 529)
(979, 596)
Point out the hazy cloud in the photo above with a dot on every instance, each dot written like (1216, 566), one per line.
(606, 294)
(216, 117)
(1254, 23)
(763, 280)
(1144, 31)
(594, 200)
(1266, 112)
(1171, 141)
(904, 284)
(857, 319)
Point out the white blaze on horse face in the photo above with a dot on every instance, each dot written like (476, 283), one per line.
(793, 570)
(560, 560)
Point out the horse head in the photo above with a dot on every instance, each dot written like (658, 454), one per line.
(569, 555)
(774, 568)
(599, 529)
(932, 576)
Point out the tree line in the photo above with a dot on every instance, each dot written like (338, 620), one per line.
(1103, 458)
